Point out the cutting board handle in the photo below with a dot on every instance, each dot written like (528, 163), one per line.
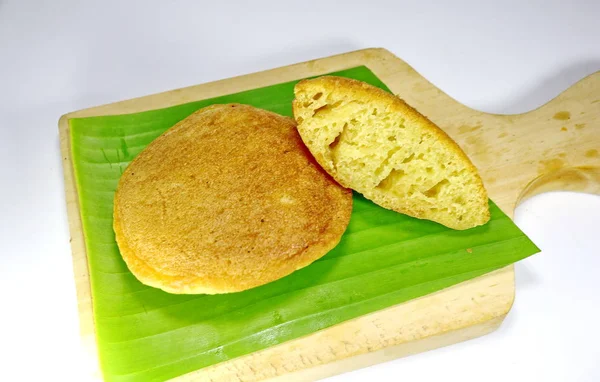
(567, 156)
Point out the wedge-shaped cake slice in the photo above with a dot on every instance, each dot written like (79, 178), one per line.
(373, 142)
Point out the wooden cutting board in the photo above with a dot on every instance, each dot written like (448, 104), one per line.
(555, 147)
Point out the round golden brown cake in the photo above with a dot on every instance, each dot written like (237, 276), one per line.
(226, 200)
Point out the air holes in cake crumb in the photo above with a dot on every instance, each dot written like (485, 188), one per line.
(435, 190)
(458, 199)
(393, 177)
(326, 107)
(336, 141)
(409, 159)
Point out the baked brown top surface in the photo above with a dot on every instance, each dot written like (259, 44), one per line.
(226, 200)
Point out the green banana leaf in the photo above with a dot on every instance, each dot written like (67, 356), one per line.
(383, 259)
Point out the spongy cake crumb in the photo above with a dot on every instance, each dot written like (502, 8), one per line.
(374, 143)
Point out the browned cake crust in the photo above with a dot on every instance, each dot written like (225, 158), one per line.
(226, 200)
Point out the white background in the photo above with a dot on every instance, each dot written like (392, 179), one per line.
(504, 57)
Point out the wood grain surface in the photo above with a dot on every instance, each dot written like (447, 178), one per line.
(555, 147)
